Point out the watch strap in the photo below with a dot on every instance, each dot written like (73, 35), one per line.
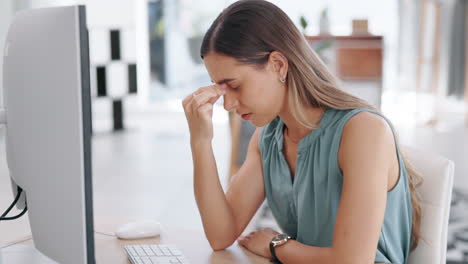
(272, 249)
(273, 253)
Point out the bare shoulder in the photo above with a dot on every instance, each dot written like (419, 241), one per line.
(366, 134)
(366, 123)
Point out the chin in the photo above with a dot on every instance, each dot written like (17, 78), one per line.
(260, 123)
(255, 123)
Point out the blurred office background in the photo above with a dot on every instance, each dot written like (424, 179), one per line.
(413, 64)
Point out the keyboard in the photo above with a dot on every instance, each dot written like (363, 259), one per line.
(155, 254)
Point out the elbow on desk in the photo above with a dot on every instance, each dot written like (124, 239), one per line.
(218, 245)
(220, 241)
(218, 248)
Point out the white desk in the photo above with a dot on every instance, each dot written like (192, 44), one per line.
(140, 174)
(109, 249)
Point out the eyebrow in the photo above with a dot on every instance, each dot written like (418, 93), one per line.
(224, 81)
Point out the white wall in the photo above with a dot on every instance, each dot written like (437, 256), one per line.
(181, 22)
(6, 15)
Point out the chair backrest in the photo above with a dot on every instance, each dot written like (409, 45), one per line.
(436, 194)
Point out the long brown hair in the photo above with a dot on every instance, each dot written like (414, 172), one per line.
(249, 30)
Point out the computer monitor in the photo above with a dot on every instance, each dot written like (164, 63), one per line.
(48, 128)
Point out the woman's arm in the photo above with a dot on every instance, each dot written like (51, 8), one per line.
(216, 214)
(365, 156)
(225, 216)
(235, 125)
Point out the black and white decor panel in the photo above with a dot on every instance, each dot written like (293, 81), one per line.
(113, 75)
(457, 252)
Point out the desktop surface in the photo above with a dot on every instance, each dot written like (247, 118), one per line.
(193, 245)
(131, 183)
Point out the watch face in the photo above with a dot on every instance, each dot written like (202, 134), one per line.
(280, 237)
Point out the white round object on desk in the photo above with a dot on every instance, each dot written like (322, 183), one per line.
(139, 229)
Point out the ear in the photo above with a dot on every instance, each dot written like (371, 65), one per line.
(279, 63)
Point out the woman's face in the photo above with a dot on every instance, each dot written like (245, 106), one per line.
(250, 90)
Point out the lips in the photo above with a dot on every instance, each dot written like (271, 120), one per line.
(246, 116)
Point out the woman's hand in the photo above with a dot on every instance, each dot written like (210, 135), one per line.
(259, 242)
(198, 108)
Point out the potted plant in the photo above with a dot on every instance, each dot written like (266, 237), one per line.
(304, 24)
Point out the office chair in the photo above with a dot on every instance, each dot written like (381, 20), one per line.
(436, 194)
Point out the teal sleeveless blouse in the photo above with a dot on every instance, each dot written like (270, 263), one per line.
(306, 208)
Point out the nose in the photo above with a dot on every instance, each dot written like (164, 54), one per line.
(230, 101)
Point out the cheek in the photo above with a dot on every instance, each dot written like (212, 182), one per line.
(261, 103)
(266, 108)
(267, 102)
(271, 99)
(270, 92)
(265, 98)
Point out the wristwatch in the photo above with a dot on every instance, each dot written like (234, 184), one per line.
(277, 241)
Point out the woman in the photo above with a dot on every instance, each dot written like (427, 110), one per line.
(327, 162)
